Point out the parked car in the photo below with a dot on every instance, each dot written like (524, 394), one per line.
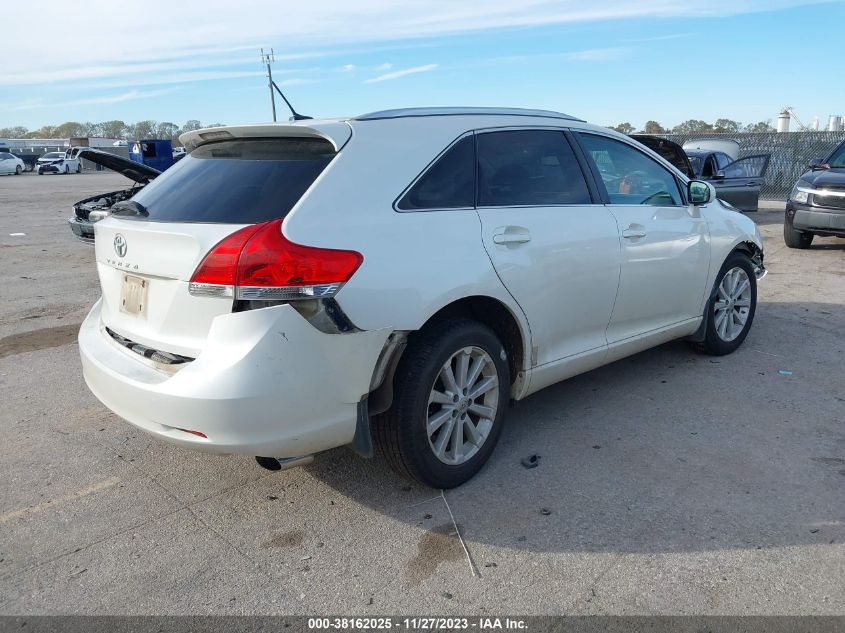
(396, 279)
(29, 160)
(737, 180)
(11, 164)
(87, 212)
(816, 205)
(66, 162)
(670, 151)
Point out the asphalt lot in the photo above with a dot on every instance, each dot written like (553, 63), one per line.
(670, 482)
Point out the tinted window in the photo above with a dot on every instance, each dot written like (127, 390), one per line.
(748, 167)
(723, 160)
(238, 181)
(695, 161)
(449, 183)
(837, 158)
(528, 167)
(630, 176)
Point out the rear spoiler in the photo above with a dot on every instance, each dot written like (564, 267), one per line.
(335, 132)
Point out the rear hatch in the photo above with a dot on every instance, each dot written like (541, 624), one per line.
(149, 248)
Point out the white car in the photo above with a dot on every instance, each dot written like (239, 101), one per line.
(11, 164)
(397, 278)
(66, 162)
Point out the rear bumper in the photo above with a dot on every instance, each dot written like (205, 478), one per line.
(816, 219)
(267, 383)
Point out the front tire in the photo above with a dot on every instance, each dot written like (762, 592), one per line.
(79, 168)
(452, 387)
(730, 310)
(793, 237)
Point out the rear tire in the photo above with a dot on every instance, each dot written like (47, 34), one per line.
(793, 237)
(730, 310)
(18, 170)
(444, 423)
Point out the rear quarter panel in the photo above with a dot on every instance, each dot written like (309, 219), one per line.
(415, 263)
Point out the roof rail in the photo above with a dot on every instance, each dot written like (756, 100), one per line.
(401, 113)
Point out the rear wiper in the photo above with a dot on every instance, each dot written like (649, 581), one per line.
(128, 208)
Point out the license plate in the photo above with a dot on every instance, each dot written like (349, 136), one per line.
(133, 295)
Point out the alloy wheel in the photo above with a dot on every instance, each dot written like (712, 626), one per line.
(462, 405)
(733, 304)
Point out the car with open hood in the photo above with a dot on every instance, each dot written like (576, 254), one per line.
(816, 205)
(737, 180)
(394, 280)
(87, 212)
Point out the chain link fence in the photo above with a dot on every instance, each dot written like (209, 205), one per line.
(791, 153)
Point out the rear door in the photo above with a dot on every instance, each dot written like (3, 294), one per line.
(665, 246)
(553, 244)
(739, 181)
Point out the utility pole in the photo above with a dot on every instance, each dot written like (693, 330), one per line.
(269, 58)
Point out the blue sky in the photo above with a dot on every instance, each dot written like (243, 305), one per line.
(668, 60)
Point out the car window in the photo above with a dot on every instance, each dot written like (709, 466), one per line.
(748, 167)
(709, 170)
(528, 167)
(630, 176)
(447, 184)
(837, 158)
(723, 160)
(239, 181)
(695, 161)
(5, 156)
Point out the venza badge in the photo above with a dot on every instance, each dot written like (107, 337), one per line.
(120, 245)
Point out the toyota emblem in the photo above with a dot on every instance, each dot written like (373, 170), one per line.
(120, 245)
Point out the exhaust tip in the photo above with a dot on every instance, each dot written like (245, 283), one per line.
(283, 463)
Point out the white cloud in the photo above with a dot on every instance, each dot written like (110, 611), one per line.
(348, 68)
(384, 66)
(132, 95)
(296, 82)
(396, 74)
(131, 37)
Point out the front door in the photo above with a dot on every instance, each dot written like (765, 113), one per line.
(554, 247)
(739, 182)
(665, 243)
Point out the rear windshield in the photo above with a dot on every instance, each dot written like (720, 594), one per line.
(241, 181)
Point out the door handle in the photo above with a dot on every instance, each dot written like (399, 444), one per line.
(511, 235)
(633, 232)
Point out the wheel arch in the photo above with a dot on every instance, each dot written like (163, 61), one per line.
(489, 311)
(754, 253)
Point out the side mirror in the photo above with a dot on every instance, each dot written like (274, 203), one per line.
(720, 175)
(699, 192)
(817, 163)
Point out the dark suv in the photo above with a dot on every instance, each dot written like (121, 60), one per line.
(816, 205)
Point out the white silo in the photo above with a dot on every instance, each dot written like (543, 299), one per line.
(834, 123)
(815, 124)
(783, 121)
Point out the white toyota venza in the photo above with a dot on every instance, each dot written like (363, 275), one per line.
(392, 281)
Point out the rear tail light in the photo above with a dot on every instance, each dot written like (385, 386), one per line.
(259, 263)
